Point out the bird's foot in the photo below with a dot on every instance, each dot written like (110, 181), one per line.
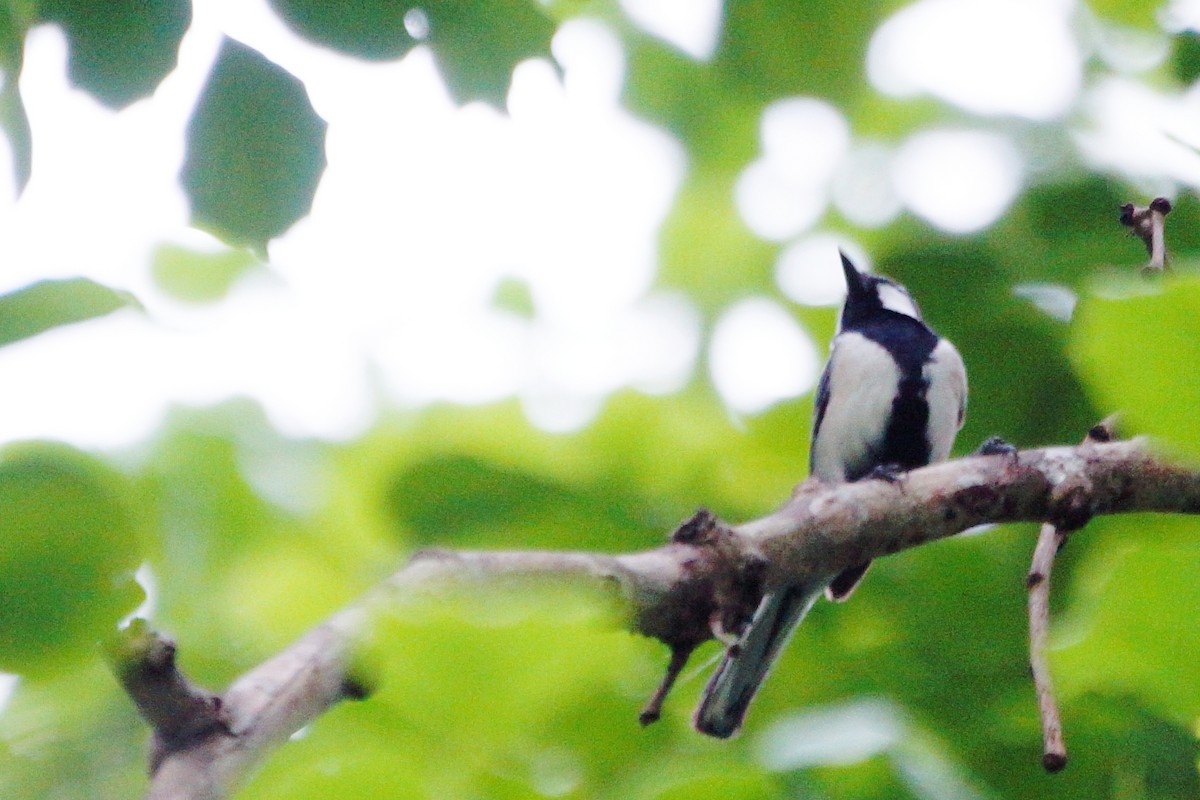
(996, 446)
(890, 473)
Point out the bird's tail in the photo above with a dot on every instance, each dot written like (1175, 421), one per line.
(729, 692)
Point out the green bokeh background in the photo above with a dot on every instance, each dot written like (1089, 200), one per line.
(916, 689)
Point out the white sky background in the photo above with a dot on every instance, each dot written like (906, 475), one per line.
(383, 294)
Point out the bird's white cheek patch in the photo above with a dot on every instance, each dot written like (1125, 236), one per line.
(896, 299)
(862, 382)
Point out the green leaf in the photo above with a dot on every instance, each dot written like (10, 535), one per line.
(478, 43)
(1185, 56)
(514, 295)
(255, 149)
(371, 29)
(1128, 622)
(69, 543)
(120, 49)
(1133, 13)
(15, 123)
(13, 119)
(198, 277)
(1135, 347)
(49, 304)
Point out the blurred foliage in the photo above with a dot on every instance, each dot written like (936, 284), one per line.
(256, 149)
(119, 49)
(69, 544)
(48, 304)
(371, 29)
(917, 688)
(514, 295)
(1185, 57)
(478, 42)
(1137, 647)
(198, 277)
(14, 19)
(1129, 340)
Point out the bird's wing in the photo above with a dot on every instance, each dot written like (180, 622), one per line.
(821, 403)
(947, 398)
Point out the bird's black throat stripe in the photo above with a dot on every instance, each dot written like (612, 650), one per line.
(910, 343)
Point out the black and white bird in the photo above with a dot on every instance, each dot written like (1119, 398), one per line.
(892, 398)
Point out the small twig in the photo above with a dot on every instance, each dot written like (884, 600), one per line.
(653, 709)
(1054, 750)
(729, 599)
(1050, 540)
(1149, 225)
(178, 712)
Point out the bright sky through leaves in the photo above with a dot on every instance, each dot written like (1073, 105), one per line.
(426, 208)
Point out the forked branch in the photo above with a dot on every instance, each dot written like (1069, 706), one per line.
(1149, 225)
(1050, 541)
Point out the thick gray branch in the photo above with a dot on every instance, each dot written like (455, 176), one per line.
(709, 577)
(825, 528)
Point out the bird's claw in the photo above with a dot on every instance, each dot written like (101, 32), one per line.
(996, 446)
(890, 473)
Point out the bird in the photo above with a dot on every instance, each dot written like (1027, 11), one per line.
(892, 397)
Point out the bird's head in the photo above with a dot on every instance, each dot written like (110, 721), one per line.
(868, 294)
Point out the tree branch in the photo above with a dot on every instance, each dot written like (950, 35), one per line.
(708, 578)
(1148, 224)
(178, 711)
(1050, 542)
(1054, 749)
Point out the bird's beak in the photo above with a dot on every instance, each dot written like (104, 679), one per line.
(854, 281)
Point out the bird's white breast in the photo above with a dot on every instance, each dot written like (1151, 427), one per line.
(862, 383)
